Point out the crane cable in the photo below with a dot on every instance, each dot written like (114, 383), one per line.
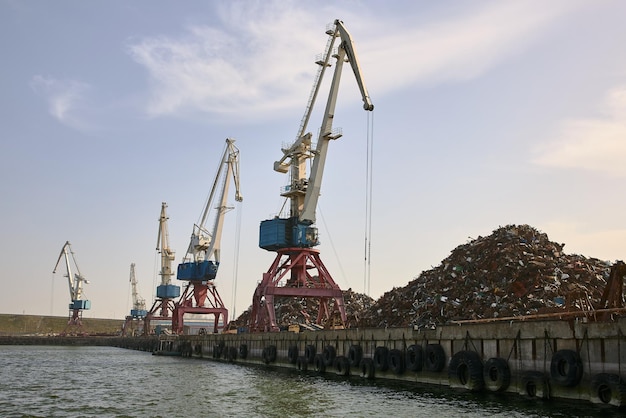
(368, 203)
(236, 257)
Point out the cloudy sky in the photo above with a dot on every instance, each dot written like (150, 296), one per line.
(487, 113)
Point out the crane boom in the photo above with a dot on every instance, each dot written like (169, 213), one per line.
(163, 246)
(203, 255)
(345, 52)
(303, 192)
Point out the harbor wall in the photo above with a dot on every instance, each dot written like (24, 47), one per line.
(550, 359)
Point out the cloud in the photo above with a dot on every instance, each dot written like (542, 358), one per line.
(254, 62)
(594, 144)
(259, 60)
(459, 47)
(64, 98)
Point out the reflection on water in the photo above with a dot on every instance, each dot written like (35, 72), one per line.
(53, 381)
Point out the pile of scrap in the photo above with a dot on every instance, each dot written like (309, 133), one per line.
(303, 311)
(515, 271)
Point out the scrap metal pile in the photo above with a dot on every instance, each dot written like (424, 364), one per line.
(290, 311)
(515, 271)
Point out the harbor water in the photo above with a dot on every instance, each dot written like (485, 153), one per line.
(51, 381)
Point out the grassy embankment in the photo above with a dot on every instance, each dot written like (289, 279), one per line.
(49, 325)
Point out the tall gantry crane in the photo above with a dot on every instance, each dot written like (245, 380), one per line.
(163, 307)
(75, 282)
(138, 312)
(297, 270)
(201, 263)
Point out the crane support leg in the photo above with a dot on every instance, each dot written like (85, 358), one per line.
(300, 273)
(207, 302)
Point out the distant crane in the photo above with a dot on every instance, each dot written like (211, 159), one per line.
(297, 270)
(138, 312)
(200, 265)
(163, 306)
(75, 282)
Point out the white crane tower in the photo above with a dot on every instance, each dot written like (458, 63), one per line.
(138, 311)
(200, 265)
(166, 292)
(297, 270)
(75, 282)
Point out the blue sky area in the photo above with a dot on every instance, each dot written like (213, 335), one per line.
(487, 113)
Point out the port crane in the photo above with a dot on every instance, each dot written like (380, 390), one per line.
(163, 307)
(200, 265)
(138, 312)
(75, 281)
(297, 270)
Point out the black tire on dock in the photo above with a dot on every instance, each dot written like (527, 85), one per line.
(302, 363)
(566, 368)
(243, 351)
(608, 389)
(329, 355)
(292, 354)
(309, 353)
(368, 371)
(342, 366)
(466, 370)
(497, 374)
(414, 358)
(217, 351)
(535, 385)
(355, 354)
(232, 354)
(320, 365)
(434, 358)
(381, 358)
(396, 361)
(269, 354)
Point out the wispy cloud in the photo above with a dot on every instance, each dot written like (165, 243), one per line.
(260, 58)
(595, 144)
(255, 61)
(462, 46)
(64, 98)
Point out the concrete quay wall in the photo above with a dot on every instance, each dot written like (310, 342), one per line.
(550, 359)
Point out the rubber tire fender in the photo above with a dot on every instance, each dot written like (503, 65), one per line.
(292, 354)
(329, 355)
(608, 389)
(309, 353)
(396, 361)
(535, 385)
(243, 351)
(368, 371)
(434, 358)
(381, 358)
(232, 354)
(342, 366)
(566, 368)
(355, 354)
(414, 358)
(269, 354)
(217, 352)
(302, 363)
(497, 374)
(466, 370)
(320, 365)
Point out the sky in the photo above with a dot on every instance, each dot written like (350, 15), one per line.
(487, 113)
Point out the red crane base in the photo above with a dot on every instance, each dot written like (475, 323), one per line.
(162, 310)
(302, 282)
(200, 298)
